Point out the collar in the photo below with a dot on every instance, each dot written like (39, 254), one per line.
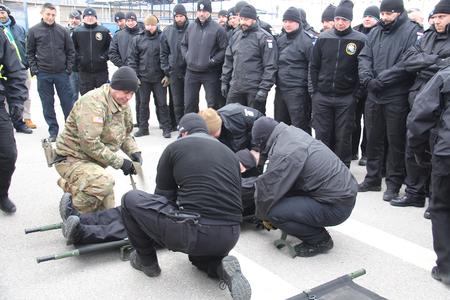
(90, 26)
(46, 25)
(343, 33)
(291, 35)
(112, 104)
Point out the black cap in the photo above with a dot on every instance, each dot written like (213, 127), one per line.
(74, 14)
(292, 14)
(344, 10)
(240, 5)
(392, 6)
(179, 9)
(125, 79)
(372, 11)
(232, 12)
(223, 12)
(248, 11)
(204, 5)
(328, 13)
(246, 158)
(89, 12)
(192, 123)
(119, 16)
(5, 8)
(261, 131)
(130, 15)
(443, 7)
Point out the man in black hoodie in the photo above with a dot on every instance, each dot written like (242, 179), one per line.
(172, 61)
(387, 101)
(91, 43)
(203, 48)
(334, 78)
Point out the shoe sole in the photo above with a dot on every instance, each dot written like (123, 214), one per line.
(439, 278)
(388, 198)
(406, 205)
(370, 189)
(239, 286)
(68, 229)
(63, 206)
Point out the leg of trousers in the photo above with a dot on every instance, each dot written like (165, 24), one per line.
(192, 84)
(323, 119)
(146, 228)
(173, 120)
(64, 91)
(281, 113)
(306, 218)
(75, 85)
(440, 211)
(137, 97)
(237, 97)
(211, 84)
(417, 177)
(162, 110)
(8, 151)
(143, 114)
(27, 103)
(344, 120)
(87, 82)
(102, 226)
(177, 88)
(298, 102)
(47, 94)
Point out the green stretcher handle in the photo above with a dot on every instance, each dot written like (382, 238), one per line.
(43, 228)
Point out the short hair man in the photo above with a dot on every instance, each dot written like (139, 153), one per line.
(250, 65)
(51, 56)
(98, 126)
(92, 60)
(304, 188)
(200, 179)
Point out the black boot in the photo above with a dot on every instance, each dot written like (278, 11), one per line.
(7, 205)
(65, 207)
(152, 270)
(367, 187)
(311, 249)
(439, 276)
(166, 133)
(141, 132)
(71, 230)
(230, 272)
(408, 200)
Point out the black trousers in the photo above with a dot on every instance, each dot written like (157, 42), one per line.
(417, 179)
(440, 211)
(356, 135)
(90, 81)
(206, 242)
(293, 107)
(192, 83)
(306, 218)
(246, 99)
(8, 150)
(386, 120)
(101, 226)
(333, 121)
(177, 91)
(160, 96)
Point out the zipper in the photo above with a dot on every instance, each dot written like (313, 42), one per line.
(335, 67)
(91, 54)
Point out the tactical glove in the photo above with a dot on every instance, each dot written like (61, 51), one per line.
(16, 112)
(137, 157)
(374, 86)
(224, 90)
(165, 81)
(127, 167)
(261, 96)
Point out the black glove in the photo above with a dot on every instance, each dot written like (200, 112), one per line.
(261, 96)
(423, 159)
(212, 62)
(224, 90)
(137, 157)
(374, 86)
(16, 112)
(127, 167)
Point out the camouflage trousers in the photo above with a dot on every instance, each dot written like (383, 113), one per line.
(90, 185)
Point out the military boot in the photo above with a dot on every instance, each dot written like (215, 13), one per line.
(71, 229)
(151, 270)
(7, 205)
(230, 273)
(439, 276)
(65, 207)
(311, 249)
(141, 132)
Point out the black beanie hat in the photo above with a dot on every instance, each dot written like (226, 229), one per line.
(240, 5)
(344, 10)
(223, 12)
(328, 13)
(204, 5)
(130, 15)
(443, 7)
(261, 131)
(192, 123)
(392, 6)
(119, 16)
(5, 8)
(89, 12)
(246, 158)
(125, 79)
(292, 14)
(75, 14)
(232, 12)
(179, 9)
(248, 11)
(372, 11)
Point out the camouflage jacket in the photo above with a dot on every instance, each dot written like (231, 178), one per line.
(96, 129)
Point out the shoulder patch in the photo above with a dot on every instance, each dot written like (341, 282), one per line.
(99, 36)
(269, 43)
(351, 48)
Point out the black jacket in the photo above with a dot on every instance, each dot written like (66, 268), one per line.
(91, 44)
(385, 48)
(250, 60)
(119, 48)
(237, 124)
(20, 36)
(201, 175)
(299, 165)
(294, 53)
(334, 61)
(431, 112)
(13, 89)
(203, 46)
(172, 62)
(144, 56)
(50, 49)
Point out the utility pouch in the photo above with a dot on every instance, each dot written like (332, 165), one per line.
(49, 151)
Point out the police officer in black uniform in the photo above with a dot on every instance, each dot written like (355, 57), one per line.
(13, 92)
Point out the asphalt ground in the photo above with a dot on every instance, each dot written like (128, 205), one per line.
(393, 244)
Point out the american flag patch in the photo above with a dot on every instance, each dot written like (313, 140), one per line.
(98, 120)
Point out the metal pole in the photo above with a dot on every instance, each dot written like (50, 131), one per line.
(25, 10)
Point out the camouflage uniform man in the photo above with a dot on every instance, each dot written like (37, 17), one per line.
(99, 125)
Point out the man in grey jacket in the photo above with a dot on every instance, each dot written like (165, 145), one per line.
(304, 187)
